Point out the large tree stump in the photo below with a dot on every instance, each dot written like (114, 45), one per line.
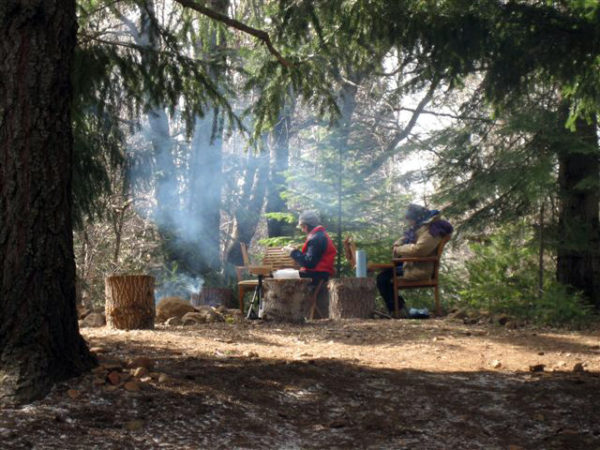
(351, 298)
(129, 302)
(286, 300)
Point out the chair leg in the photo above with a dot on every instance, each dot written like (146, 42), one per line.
(241, 293)
(436, 295)
(396, 306)
(313, 305)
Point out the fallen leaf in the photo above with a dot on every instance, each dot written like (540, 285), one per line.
(132, 386)
(142, 361)
(140, 372)
(98, 350)
(134, 425)
(163, 378)
(73, 393)
(114, 378)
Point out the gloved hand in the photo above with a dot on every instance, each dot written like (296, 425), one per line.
(288, 249)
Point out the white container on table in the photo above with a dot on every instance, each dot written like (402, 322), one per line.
(361, 264)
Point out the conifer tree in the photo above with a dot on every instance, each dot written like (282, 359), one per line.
(39, 339)
(512, 44)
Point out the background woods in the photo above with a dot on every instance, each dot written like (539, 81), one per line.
(156, 136)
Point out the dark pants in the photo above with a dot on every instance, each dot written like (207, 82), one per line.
(323, 298)
(385, 284)
(315, 276)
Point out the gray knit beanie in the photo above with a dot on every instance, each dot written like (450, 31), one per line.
(310, 218)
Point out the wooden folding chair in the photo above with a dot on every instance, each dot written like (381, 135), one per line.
(433, 282)
(273, 259)
(350, 254)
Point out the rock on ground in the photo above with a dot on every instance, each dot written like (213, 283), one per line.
(172, 307)
(93, 320)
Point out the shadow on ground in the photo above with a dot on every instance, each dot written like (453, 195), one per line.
(249, 402)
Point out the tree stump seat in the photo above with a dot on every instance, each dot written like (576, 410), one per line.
(286, 300)
(351, 298)
(129, 302)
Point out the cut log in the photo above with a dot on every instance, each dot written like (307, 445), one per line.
(286, 300)
(351, 298)
(129, 302)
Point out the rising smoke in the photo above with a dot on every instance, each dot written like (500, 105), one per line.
(177, 184)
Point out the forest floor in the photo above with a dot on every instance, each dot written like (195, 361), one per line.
(430, 384)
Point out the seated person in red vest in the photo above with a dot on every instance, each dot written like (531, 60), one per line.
(422, 237)
(318, 253)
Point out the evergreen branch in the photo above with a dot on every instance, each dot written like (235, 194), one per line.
(130, 25)
(91, 12)
(233, 23)
(450, 115)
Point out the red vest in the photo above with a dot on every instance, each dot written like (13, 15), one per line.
(327, 260)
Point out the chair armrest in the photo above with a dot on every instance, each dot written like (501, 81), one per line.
(416, 259)
(260, 270)
(379, 266)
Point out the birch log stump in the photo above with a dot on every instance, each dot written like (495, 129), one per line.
(129, 302)
(351, 298)
(286, 300)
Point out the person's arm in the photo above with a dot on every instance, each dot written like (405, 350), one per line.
(396, 246)
(314, 251)
(424, 246)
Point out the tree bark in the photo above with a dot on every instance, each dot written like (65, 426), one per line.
(541, 251)
(130, 302)
(168, 206)
(39, 338)
(167, 199)
(206, 166)
(286, 300)
(351, 298)
(247, 214)
(578, 224)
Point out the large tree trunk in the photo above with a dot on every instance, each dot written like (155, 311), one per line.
(279, 164)
(247, 214)
(166, 191)
(579, 227)
(39, 338)
(205, 191)
(206, 166)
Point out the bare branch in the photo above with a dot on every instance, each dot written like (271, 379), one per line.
(233, 23)
(450, 115)
(391, 149)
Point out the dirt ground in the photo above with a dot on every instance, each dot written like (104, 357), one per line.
(430, 384)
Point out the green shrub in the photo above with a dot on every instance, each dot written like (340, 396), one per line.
(502, 277)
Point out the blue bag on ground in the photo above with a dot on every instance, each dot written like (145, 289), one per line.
(414, 313)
